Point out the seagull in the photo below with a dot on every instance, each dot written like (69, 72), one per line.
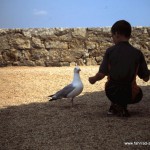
(72, 90)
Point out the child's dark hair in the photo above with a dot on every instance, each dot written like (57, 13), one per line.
(122, 27)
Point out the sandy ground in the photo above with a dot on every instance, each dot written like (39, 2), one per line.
(29, 121)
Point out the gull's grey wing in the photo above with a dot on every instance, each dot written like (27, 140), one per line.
(64, 92)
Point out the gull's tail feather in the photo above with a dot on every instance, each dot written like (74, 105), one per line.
(52, 98)
(51, 95)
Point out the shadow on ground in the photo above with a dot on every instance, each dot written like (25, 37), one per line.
(57, 126)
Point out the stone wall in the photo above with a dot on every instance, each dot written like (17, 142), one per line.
(62, 46)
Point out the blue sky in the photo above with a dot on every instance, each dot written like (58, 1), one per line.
(72, 13)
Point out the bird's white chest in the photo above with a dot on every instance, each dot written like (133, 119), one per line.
(77, 90)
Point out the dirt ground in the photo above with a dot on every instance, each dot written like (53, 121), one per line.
(28, 121)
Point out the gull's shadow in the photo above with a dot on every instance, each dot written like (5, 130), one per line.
(56, 125)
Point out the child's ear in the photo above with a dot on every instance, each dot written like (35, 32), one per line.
(117, 35)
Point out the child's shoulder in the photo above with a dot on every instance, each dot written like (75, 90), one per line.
(136, 50)
(111, 48)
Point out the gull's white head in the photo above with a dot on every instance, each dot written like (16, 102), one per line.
(77, 69)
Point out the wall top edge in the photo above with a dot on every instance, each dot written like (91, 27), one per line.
(61, 28)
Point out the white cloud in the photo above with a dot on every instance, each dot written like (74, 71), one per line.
(40, 12)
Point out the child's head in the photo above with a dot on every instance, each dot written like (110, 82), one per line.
(122, 27)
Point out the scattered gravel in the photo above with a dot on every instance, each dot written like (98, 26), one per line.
(29, 121)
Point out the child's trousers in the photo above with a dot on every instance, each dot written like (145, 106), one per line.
(121, 94)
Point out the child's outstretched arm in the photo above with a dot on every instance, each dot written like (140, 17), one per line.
(97, 77)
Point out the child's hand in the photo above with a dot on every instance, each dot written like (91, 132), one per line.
(97, 77)
(92, 80)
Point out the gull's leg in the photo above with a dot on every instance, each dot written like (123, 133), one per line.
(72, 101)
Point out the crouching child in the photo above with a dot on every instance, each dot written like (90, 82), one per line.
(121, 64)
